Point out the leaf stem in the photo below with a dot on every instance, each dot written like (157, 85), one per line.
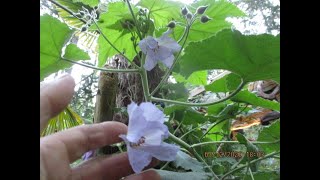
(251, 162)
(104, 36)
(101, 69)
(242, 84)
(144, 80)
(192, 151)
(66, 9)
(134, 19)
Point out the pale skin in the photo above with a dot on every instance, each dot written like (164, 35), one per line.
(57, 151)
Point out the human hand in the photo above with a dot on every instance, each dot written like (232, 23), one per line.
(57, 151)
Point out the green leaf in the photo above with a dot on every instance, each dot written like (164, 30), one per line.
(218, 11)
(91, 3)
(176, 91)
(226, 83)
(170, 175)
(216, 108)
(270, 134)
(73, 52)
(252, 151)
(247, 97)
(253, 57)
(53, 35)
(162, 12)
(196, 78)
(219, 85)
(188, 163)
(172, 108)
(113, 27)
(65, 120)
(193, 117)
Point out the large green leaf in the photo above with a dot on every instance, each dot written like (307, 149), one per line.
(162, 12)
(247, 97)
(53, 35)
(253, 57)
(75, 53)
(270, 134)
(218, 11)
(188, 163)
(65, 120)
(91, 3)
(171, 175)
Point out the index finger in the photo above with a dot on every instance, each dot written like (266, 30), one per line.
(78, 140)
(54, 97)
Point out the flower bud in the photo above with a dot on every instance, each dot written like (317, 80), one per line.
(201, 9)
(189, 16)
(84, 28)
(171, 24)
(184, 11)
(204, 19)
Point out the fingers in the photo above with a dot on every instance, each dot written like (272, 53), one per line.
(54, 97)
(150, 174)
(114, 167)
(78, 140)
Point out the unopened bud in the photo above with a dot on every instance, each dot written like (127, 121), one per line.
(171, 24)
(184, 11)
(204, 19)
(84, 28)
(189, 16)
(201, 9)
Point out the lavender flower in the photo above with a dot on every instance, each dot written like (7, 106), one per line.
(159, 49)
(88, 155)
(145, 136)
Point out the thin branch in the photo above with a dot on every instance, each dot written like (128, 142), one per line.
(105, 37)
(242, 84)
(234, 142)
(101, 69)
(192, 151)
(66, 9)
(134, 19)
(253, 161)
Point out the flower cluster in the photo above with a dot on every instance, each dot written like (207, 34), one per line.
(145, 136)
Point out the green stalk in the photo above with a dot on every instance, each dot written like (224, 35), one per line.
(234, 142)
(242, 84)
(192, 151)
(251, 162)
(101, 69)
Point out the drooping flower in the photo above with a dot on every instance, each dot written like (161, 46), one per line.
(145, 136)
(159, 49)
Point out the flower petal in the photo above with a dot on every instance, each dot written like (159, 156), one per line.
(138, 159)
(168, 42)
(151, 112)
(163, 53)
(168, 61)
(137, 124)
(131, 107)
(148, 43)
(164, 152)
(151, 61)
(153, 137)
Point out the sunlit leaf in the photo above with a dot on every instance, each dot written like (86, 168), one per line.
(53, 36)
(253, 57)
